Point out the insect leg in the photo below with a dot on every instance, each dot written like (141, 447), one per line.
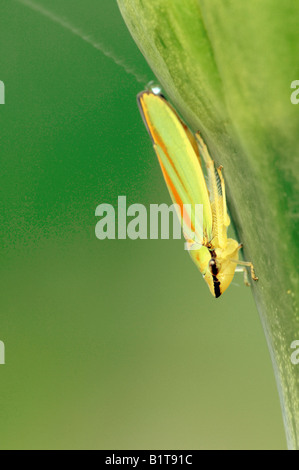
(248, 265)
(243, 270)
(225, 214)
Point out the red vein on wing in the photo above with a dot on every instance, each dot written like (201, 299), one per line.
(159, 141)
(176, 197)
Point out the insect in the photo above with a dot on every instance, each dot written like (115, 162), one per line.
(180, 155)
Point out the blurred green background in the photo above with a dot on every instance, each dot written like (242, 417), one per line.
(109, 344)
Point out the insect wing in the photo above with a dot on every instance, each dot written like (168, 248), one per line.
(180, 162)
(217, 194)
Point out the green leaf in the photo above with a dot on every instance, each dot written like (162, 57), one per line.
(228, 68)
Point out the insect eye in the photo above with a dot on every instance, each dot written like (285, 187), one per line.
(214, 267)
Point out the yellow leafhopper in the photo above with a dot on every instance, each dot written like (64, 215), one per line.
(180, 155)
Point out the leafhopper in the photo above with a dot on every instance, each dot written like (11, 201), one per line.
(180, 155)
